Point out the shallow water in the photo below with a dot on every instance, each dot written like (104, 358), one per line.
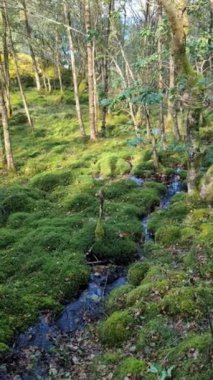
(173, 188)
(85, 309)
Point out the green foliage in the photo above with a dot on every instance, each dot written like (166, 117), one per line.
(116, 329)
(137, 272)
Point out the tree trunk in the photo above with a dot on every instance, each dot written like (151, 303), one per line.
(160, 79)
(6, 133)
(57, 59)
(172, 104)
(95, 88)
(153, 139)
(106, 67)
(28, 31)
(49, 84)
(176, 12)
(92, 119)
(6, 66)
(24, 100)
(74, 71)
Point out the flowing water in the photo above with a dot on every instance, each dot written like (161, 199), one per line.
(87, 308)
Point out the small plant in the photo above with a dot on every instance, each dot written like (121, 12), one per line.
(161, 373)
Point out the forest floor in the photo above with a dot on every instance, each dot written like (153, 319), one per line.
(158, 325)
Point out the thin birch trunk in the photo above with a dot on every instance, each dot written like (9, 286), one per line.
(57, 59)
(106, 67)
(24, 100)
(6, 133)
(92, 119)
(28, 31)
(160, 80)
(6, 66)
(74, 71)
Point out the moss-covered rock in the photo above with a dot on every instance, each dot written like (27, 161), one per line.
(137, 272)
(116, 329)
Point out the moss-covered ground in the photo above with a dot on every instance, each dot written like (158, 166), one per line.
(49, 208)
(157, 325)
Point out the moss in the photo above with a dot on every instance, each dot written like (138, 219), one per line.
(115, 190)
(159, 187)
(80, 202)
(18, 219)
(145, 199)
(111, 165)
(130, 367)
(116, 329)
(122, 167)
(191, 357)
(3, 347)
(137, 272)
(144, 170)
(121, 251)
(155, 334)
(109, 358)
(168, 235)
(186, 302)
(138, 294)
(206, 233)
(117, 298)
(206, 190)
(48, 181)
(197, 216)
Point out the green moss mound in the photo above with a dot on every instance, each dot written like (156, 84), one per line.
(111, 165)
(116, 329)
(48, 181)
(130, 367)
(137, 272)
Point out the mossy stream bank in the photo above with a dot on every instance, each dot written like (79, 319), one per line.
(40, 344)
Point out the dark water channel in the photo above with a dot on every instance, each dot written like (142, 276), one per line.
(87, 308)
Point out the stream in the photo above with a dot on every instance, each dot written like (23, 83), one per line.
(40, 340)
